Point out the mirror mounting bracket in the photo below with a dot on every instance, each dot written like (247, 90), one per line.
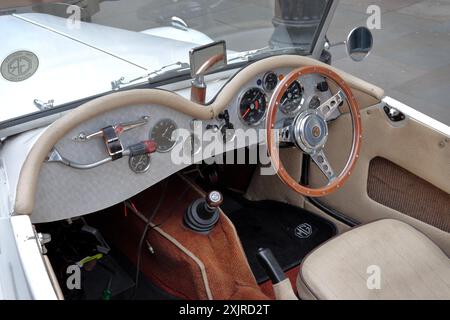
(204, 60)
(198, 89)
(358, 44)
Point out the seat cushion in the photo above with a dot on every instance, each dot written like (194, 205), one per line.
(409, 265)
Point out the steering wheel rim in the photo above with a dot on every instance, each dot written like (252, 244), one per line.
(303, 121)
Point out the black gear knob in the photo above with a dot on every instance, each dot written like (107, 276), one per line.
(203, 214)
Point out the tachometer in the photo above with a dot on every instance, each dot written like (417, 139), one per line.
(252, 106)
(163, 133)
(292, 99)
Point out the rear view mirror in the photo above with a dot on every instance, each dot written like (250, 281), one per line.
(207, 58)
(359, 43)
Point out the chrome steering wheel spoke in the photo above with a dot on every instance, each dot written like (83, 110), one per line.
(322, 162)
(327, 108)
(309, 131)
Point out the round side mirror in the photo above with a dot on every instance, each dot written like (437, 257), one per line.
(359, 43)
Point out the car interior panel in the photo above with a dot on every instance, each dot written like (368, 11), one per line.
(281, 177)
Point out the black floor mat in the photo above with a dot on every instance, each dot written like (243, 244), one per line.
(290, 232)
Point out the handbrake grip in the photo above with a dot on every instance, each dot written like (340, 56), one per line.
(270, 265)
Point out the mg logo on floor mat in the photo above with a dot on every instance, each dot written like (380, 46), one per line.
(303, 231)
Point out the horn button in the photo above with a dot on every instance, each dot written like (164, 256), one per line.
(310, 131)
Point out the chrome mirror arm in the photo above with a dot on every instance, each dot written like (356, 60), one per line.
(198, 88)
(328, 45)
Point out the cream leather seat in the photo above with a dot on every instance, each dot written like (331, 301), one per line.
(409, 265)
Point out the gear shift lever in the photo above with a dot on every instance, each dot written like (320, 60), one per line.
(203, 214)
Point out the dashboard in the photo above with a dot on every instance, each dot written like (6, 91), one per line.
(252, 102)
(65, 190)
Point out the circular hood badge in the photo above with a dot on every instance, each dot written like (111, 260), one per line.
(19, 66)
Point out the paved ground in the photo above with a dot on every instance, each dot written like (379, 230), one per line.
(411, 57)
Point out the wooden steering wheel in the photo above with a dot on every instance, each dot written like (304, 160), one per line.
(309, 132)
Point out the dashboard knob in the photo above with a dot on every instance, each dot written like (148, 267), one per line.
(322, 86)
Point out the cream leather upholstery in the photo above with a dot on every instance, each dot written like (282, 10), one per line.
(411, 265)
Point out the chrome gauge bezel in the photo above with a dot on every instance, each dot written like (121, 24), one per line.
(174, 141)
(133, 166)
(300, 105)
(264, 81)
(241, 95)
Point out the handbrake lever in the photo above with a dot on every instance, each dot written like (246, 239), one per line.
(270, 265)
(282, 286)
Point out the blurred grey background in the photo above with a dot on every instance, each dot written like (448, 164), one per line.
(410, 60)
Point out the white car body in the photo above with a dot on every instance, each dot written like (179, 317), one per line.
(23, 270)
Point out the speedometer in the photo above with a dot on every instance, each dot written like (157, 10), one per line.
(291, 101)
(252, 106)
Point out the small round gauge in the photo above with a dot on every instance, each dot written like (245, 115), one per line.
(252, 106)
(139, 163)
(163, 133)
(314, 103)
(292, 99)
(270, 81)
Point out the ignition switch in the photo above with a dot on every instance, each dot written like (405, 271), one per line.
(227, 129)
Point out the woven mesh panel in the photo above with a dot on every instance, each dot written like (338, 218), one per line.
(399, 189)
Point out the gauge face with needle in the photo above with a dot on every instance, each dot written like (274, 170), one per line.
(292, 99)
(252, 106)
(163, 133)
(140, 163)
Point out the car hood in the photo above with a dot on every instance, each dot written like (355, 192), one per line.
(44, 57)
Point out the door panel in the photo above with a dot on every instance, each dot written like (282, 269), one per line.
(418, 154)
(392, 186)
